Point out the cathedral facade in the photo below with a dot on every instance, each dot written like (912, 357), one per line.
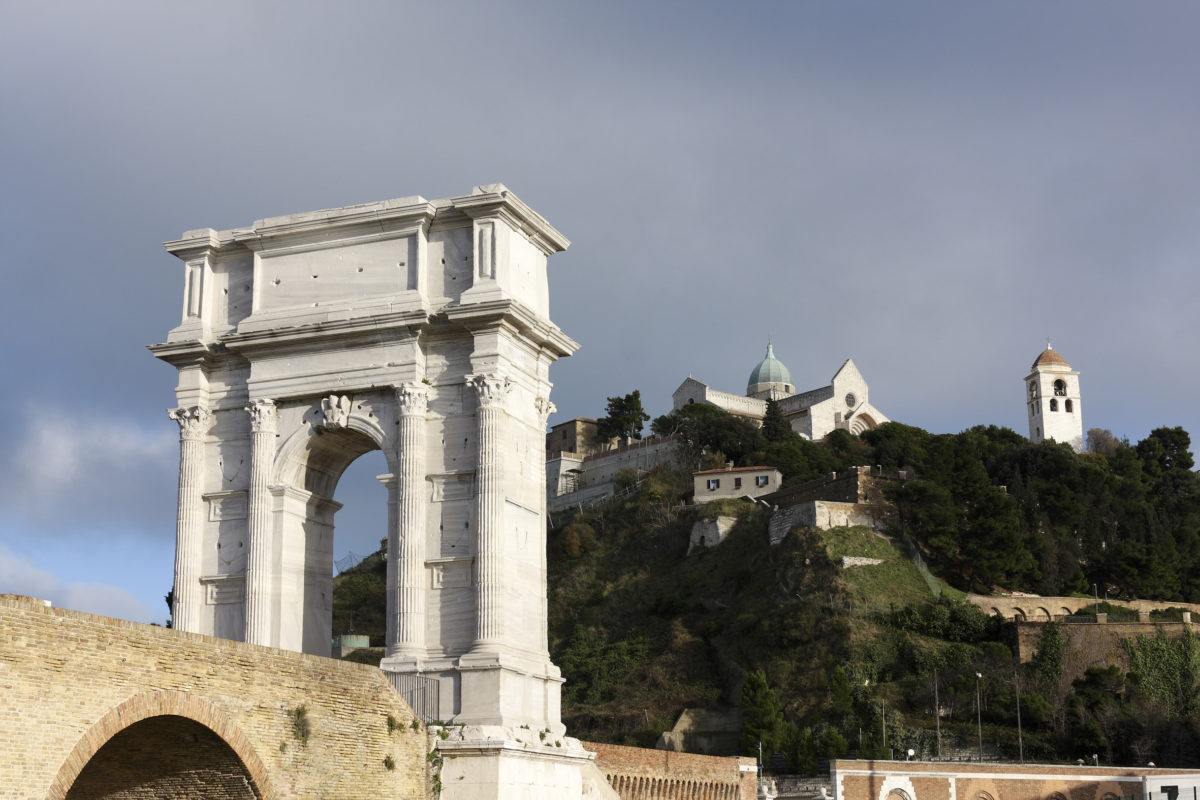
(843, 404)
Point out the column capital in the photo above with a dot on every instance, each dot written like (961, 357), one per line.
(263, 415)
(544, 409)
(491, 389)
(193, 421)
(412, 397)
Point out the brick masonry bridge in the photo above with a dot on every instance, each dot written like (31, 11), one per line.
(95, 707)
(1032, 608)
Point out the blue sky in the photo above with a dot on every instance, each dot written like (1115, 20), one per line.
(932, 189)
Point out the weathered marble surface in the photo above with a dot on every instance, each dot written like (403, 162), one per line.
(416, 327)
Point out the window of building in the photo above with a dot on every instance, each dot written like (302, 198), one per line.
(714, 483)
(762, 480)
(1070, 407)
(737, 483)
(1053, 404)
(1060, 388)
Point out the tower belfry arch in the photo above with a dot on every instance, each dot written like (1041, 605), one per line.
(415, 327)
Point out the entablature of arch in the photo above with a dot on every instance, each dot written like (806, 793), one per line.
(515, 317)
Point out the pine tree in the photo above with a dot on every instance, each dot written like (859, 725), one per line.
(775, 427)
(762, 716)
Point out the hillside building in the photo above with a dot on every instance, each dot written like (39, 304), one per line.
(1052, 401)
(732, 482)
(813, 414)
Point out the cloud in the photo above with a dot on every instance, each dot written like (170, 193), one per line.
(68, 471)
(19, 575)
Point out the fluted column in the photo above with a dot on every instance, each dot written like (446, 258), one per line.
(489, 481)
(189, 520)
(263, 419)
(544, 409)
(406, 541)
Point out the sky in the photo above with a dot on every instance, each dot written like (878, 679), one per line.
(934, 189)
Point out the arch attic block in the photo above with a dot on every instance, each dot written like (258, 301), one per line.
(416, 327)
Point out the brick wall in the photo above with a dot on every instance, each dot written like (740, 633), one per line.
(70, 683)
(915, 780)
(638, 773)
(1090, 643)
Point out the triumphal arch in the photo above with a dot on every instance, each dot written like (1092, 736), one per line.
(417, 327)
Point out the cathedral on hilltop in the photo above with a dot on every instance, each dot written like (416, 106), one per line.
(1052, 401)
(813, 414)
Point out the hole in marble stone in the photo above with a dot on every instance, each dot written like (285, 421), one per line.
(314, 277)
(277, 281)
(225, 291)
(443, 261)
(399, 263)
(360, 269)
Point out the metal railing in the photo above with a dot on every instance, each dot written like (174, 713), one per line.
(422, 694)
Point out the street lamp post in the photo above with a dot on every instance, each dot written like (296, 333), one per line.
(1020, 740)
(937, 713)
(979, 714)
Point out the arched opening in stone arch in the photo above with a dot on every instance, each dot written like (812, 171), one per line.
(861, 423)
(310, 509)
(164, 757)
(359, 553)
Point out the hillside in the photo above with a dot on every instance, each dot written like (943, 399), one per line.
(816, 654)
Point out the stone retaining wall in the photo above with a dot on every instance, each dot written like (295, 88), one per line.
(638, 773)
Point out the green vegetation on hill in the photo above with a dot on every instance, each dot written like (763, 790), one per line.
(814, 653)
(360, 598)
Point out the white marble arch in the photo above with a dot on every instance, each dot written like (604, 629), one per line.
(416, 327)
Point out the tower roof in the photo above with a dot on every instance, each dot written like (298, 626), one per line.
(1050, 358)
(769, 370)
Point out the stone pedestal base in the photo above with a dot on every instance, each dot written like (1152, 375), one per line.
(491, 762)
(486, 689)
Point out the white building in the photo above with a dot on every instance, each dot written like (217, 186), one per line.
(1052, 401)
(733, 482)
(813, 414)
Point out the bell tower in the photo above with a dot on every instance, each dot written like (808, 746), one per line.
(1052, 401)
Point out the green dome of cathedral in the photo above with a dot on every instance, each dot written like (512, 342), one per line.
(769, 370)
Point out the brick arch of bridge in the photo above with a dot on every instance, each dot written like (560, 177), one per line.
(147, 705)
(70, 682)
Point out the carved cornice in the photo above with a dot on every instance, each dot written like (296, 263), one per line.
(263, 415)
(389, 328)
(519, 317)
(335, 411)
(412, 398)
(498, 201)
(193, 421)
(491, 389)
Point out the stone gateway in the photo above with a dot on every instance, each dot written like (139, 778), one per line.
(419, 328)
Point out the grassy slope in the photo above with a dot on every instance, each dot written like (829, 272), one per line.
(703, 621)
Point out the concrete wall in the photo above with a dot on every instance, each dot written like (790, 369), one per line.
(641, 774)
(598, 470)
(914, 780)
(72, 682)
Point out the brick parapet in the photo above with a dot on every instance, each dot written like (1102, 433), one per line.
(638, 773)
(70, 681)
